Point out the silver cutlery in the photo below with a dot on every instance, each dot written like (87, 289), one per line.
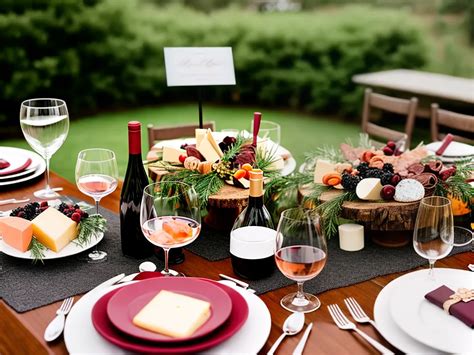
(343, 323)
(357, 312)
(13, 200)
(293, 325)
(110, 282)
(300, 347)
(56, 326)
(237, 282)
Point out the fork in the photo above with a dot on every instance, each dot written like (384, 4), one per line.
(357, 312)
(343, 323)
(56, 326)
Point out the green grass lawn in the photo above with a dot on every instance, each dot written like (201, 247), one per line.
(300, 133)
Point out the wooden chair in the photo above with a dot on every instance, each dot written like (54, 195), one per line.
(447, 119)
(389, 104)
(172, 132)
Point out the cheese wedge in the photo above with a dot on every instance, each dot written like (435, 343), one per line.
(213, 142)
(16, 232)
(200, 134)
(209, 148)
(171, 155)
(369, 189)
(173, 314)
(53, 229)
(322, 168)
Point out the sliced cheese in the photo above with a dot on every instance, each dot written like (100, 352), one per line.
(173, 314)
(213, 142)
(322, 168)
(200, 134)
(208, 151)
(16, 232)
(369, 189)
(277, 164)
(171, 155)
(53, 229)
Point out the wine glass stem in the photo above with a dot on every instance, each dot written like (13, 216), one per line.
(166, 251)
(47, 173)
(300, 293)
(431, 272)
(97, 206)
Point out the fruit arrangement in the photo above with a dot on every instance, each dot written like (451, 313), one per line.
(31, 210)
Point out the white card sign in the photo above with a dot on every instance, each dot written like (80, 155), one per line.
(199, 66)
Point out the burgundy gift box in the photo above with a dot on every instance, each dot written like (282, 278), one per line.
(464, 311)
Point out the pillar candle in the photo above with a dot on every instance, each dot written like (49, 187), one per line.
(351, 237)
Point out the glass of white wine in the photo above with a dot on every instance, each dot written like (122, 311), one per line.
(45, 124)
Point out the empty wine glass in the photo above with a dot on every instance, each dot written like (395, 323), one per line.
(269, 131)
(301, 254)
(170, 216)
(433, 237)
(96, 176)
(45, 124)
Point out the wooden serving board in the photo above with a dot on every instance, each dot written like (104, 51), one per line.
(389, 223)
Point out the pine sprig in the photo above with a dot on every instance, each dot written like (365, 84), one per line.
(331, 210)
(234, 149)
(37, 250)
(90, 227)
(456, 185)
(334, 155)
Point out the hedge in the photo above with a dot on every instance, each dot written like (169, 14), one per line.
(102, 54)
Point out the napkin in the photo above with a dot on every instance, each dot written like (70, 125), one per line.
(18, 169)
(464, 311)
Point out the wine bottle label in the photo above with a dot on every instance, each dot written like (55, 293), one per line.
(134, 137)
(252, 242)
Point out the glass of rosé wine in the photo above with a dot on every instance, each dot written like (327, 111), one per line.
(300, 254)
(96, 176)
(170, 217)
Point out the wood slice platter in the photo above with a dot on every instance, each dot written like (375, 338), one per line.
(389, 223)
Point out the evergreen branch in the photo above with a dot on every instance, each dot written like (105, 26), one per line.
(331, 210)
(36, 250)
(90, 227)
(234, 149)
(334, 155)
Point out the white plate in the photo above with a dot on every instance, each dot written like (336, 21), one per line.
(70, 249)
(390, 330)
(289, 163)
(81, 337)
(454, 149)
(28, 174)
(426, 322)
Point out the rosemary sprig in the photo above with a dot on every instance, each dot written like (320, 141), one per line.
(37, 250)
(90, 227)
(331, 210)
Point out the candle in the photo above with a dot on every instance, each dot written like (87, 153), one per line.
(351, 237)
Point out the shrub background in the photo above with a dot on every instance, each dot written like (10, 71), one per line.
(102, 54)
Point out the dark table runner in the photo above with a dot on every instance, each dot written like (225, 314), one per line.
(25, 286)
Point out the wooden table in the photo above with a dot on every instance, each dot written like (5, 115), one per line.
(436, 87)
(23, 333)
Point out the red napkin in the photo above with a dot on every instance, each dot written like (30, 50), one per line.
(17, 170)
(4, 164)
(446, 142)
(147, 275)
(464, 311)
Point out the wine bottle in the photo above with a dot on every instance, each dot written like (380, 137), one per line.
(134, 243)
(252, 239)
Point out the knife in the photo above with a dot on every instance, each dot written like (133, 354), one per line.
(300, 347)
(110, 282)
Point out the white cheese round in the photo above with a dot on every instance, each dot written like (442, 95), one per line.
(409, 190)
(369, 189)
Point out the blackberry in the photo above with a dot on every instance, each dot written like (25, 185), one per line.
(386, 178)
(28, 211)
(374, 173)
(363, 169)
(388, 167)
(349, 182)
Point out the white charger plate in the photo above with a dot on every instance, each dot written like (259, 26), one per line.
(70, 249)
(424, 321)
(81, 337)
(27, 174)
(454, 149)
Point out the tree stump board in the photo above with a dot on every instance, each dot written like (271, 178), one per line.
(389, 223)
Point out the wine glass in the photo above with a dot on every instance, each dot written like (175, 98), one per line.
(170, 216)
(45, 124)
(300, 254)
(433, 237)
(96, 176)
(269, 131)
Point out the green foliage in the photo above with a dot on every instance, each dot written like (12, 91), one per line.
(109, 53)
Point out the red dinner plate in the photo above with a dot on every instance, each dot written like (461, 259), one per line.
(106, 329)
(124, 305)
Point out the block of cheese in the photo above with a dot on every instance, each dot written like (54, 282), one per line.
(16, 232)
(173, 314)
(209, 148)
(369, 189)
(200, 133)
(53, 229)
(171, 155)
(213, 142)
(322, 168)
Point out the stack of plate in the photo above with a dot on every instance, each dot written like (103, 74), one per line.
(24, 165)
(455, 151)
(413, 324)
(239, 321)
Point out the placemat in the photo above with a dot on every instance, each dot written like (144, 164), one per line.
(25, 286)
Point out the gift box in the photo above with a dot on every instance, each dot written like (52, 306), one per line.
(459, 304)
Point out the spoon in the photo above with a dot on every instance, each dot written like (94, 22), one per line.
(293, 325)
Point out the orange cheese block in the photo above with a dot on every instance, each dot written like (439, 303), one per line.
(53, 229)
(16, 232)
